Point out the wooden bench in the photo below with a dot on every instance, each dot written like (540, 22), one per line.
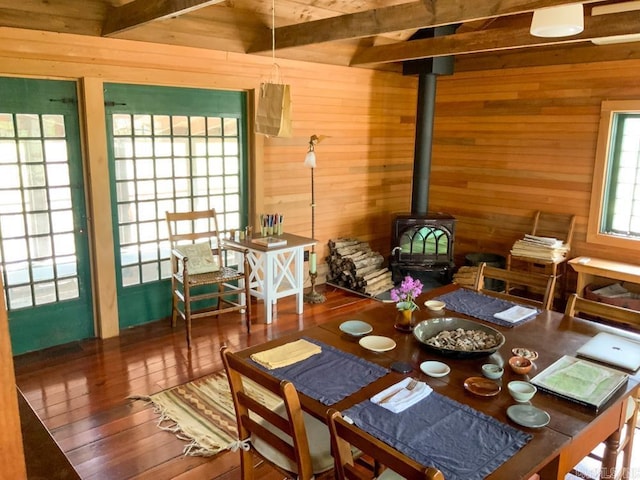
(589, 270)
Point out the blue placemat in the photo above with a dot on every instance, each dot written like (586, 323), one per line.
(463, 443)
(331, 375)
(479, 305)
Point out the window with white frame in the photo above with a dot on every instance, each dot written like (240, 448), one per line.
(615, 207)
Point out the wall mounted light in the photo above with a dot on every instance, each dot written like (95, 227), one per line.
(560, 21)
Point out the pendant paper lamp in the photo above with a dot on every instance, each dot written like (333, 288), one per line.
(561, 21)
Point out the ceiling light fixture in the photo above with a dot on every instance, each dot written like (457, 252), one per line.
(560, 21)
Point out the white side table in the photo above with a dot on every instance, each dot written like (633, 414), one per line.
(276, 272)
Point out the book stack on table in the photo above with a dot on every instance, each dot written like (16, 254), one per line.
(269, 241)
(546, 249)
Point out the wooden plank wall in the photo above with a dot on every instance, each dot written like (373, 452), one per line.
(509, 142)
(364, 162)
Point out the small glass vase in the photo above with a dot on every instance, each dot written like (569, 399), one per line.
(405, 320)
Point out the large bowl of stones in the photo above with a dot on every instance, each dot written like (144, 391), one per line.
(458, 337)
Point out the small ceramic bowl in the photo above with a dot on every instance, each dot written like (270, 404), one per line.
(492, 371)
(526, 353)
(520, 365)
(521, 391)
(435, 369)
(434, 305)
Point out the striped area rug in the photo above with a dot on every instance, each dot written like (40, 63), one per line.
(201, 412)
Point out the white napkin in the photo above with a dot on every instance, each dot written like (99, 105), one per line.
(402, 398)
(515, 313)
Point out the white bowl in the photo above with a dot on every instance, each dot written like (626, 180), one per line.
(434, 305)
(434, 368)
(521, 391)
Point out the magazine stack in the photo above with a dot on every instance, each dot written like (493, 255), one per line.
(547, 249)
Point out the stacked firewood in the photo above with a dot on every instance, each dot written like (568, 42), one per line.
(353, 265)
(466, 277)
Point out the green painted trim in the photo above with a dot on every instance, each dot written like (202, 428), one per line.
(151, 301)
(34, 328)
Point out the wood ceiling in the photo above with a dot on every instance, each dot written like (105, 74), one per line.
(371, 34)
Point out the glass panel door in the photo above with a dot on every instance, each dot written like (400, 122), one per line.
(172, 149)
(43, 243)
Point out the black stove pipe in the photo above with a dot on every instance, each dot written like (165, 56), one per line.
(423, 144)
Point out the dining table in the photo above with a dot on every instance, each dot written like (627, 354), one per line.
(551, 450)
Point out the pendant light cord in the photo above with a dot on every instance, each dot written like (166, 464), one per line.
(275, 69)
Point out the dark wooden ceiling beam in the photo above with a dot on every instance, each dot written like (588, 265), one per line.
(494, 40)
(407, 16)
(140, 12)
(544, 56)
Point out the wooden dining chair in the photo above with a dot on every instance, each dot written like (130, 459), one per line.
(546, 224)
(602, 311)
(516, 281)
(345, 437)
(292, 441)
(202, 284)
(619, 448)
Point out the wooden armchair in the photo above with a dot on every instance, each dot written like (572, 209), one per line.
(200, 276)
(292, 441)
(515, 281)
(345, 437)
(621, 444)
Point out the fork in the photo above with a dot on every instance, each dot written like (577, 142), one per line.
(410, 386)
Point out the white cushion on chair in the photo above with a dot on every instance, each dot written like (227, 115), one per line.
(201, 259)
(319, 444)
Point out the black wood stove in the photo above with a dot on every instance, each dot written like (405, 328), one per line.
(421, 241)
(423, 245)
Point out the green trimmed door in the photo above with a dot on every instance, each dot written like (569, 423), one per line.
(170, 149)
(44, 254)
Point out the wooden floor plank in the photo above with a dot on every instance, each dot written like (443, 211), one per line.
(80, 390)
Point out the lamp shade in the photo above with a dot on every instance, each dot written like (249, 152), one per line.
(310, 159)
(560, 21)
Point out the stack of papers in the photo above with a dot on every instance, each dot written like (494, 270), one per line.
(541, 248)
(270, 241)
(615, 290)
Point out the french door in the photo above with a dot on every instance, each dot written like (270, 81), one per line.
(44, 254)
(170, 149)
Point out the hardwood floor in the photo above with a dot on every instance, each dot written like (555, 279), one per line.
(80, 390)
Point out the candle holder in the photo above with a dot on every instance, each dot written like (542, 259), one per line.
(313, 296)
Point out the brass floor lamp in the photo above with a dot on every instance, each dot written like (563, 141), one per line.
(310, 161)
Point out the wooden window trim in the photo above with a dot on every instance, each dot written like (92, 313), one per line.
(608, 108)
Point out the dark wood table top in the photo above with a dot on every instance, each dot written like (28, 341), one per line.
(574, 429)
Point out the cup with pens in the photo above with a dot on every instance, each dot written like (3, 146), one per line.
(271, 224)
